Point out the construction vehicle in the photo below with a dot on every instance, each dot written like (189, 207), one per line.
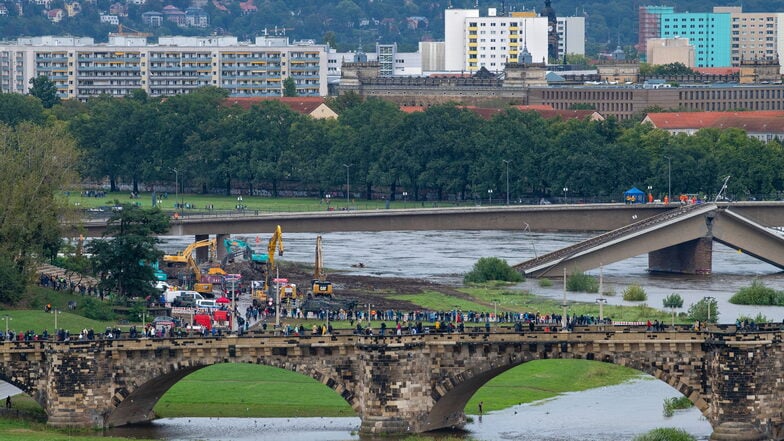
(121, 32)
(319, 286)
(185, 258)
(258, 293)
(237, 247)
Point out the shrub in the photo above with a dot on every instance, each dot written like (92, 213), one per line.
(673, 301)
(492, 268)
(582, 282)
(706, 308)
(760, 318)
(757, 294)
(97, 310)
(665, 434)
(634, 293)
(673, 404)
(545, 283)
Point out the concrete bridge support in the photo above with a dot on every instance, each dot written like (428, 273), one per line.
(203, 253)
(692, 257)
(220, 247)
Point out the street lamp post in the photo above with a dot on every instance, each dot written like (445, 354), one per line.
(601, 301)
(490, 195)
(650, 191)
(7, 318)
(565, 189)
(709, 303)
(405, 199)
(234, 323)
(368, 316)
(348, 184)
(669, 178)
(506, 162)
(56, 312)
(564, 305)
(176, 189)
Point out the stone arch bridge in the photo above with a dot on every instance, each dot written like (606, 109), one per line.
(410, 383)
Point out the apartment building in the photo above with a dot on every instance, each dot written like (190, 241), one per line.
(755, 36)
(472, 41)
(81, 68)
(708, 32)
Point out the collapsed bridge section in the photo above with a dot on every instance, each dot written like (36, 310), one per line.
(678, 241)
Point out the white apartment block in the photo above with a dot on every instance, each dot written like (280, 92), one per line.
(755, 36)
(472, 42)
(175, 65)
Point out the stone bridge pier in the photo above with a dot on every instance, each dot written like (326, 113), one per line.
(405, 384)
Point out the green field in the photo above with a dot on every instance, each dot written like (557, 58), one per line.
(260, 391)
(263, 204)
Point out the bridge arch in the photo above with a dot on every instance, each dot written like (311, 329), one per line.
(452, 393)
(135, 401)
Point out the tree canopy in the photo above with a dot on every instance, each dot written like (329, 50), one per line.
(119, 259)
(444, 152)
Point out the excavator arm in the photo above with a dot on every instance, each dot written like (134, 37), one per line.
(275, 242)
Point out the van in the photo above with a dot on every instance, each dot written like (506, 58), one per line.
(185, 298)
(207, 304)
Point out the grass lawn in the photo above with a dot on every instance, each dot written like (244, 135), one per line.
(263, 204)
(16, 430)
(513, 300)
(261, 391)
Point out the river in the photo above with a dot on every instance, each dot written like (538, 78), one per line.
(609, 413)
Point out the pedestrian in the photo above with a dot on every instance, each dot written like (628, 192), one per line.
(8, 402)
(481, 403)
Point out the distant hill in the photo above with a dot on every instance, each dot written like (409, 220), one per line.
(346, 24)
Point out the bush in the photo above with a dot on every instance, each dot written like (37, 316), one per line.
(582, 282)
(97, 310)
(634, 293)
(665, 434)
(492, 268)
(706, 308)
(758, 294)
(545, 283)
(673, 404)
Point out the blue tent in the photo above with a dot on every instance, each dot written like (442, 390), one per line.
(634, 196)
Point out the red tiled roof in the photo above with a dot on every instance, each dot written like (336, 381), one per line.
(717, 70)
(767, 121)
(304, 105)
(544, 110)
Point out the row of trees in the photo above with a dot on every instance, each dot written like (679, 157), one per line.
(442, 153)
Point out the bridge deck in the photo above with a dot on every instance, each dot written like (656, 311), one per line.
(631, 230)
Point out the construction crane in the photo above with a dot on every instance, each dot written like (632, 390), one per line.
(121, 32)
(319, 285)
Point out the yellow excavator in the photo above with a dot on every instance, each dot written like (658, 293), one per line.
(275, 244)
(185, 258)
(319, 285)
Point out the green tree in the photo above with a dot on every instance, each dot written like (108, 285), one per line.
(45, 90)
(289, 87)
(706, 310)
(129, 242)
(37, 162)
(492, 268)
(15, 108)
(673, 301)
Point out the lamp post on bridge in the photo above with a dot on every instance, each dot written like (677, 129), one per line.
(669, 178)
(348, 185)
(507, 179)
(490, 195)
(405, 199)
(7, 318)
(565, 189)
(709, 303)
